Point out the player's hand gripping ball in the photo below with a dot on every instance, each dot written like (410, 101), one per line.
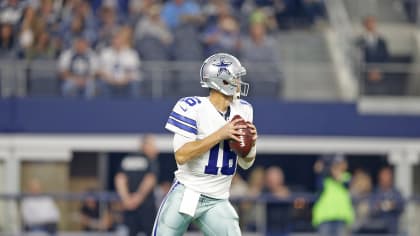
(243, 147)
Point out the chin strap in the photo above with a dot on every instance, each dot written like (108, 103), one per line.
(237, 96)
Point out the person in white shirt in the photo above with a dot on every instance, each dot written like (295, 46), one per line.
(77, 67)
(119, 69)
(39, 213)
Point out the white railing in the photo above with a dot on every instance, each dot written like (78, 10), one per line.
(17, 77)
(342, 47)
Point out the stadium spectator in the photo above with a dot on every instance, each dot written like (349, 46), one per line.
(375, 51)
(314, 10)
(118, 5)
(43, 46)
(137, 9)
(39, 213)
(264, 16)
(285, 12)
(223, 36)
(11, 12)
(119, 68)
(374, 46)
(386, 204)
(361, 190)
(179, 12)
(7, 41)
(278, 213)
(152, 26)
(92, 219)
(261, 57)
(258, 46)
(256, 181)
(213, 9)
(239, 187)
(48, 14)
(255, 188)
(84, 9)
(76, 29)
(28, 29)
(77, 67)
(361, 184)
(77, 8)
(135, 183)
(274, 183)
(108, 26)
(333, 209)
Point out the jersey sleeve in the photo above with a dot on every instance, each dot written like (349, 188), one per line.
(248, 110)
(182, 120)
(251, 113)
(179, 141)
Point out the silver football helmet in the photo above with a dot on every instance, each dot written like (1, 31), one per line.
(223, 72)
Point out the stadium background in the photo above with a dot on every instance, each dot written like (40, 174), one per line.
(311, 87)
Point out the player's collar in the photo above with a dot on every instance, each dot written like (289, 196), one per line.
(225, 114)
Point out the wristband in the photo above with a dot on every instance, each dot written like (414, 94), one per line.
(252, 152)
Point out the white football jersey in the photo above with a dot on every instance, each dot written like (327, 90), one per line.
(196, 118)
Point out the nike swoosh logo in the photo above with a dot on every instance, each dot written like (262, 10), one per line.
(184, 109)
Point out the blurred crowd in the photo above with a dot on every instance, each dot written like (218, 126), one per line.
(343, 202)
(100, 43)
(103, 46)
(372, 209)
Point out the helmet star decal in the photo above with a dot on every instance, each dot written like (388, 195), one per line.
(222, 66)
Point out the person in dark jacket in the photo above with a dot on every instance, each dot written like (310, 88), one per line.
(386, 204)
(135, 183)
(375, 51)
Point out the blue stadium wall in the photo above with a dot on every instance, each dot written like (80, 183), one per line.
(52, 115)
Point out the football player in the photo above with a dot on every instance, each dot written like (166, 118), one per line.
(202, 127)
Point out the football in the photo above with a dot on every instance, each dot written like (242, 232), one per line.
(242, 148)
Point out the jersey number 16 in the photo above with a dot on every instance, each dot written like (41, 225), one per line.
(228, 156)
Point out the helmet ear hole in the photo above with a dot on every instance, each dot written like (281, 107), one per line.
(225, 82)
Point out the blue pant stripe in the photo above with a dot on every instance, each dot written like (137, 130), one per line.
(161, 206)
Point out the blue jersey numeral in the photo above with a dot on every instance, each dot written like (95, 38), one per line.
(229, 160)
(191, 101)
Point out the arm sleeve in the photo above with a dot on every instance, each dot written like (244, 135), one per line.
(245, 164)
(179, 141)
(94, 63)
(251, 114)
(182, 120)
(248, 110)
(399, 208)
(64, 61)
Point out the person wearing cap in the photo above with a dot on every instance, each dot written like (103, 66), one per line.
(333, 211)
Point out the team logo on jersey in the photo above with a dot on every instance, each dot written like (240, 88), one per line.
(223, 65)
